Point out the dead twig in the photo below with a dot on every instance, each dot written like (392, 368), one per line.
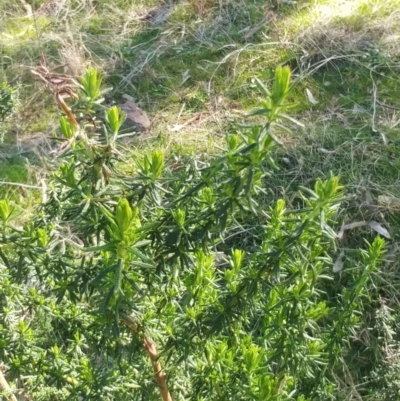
(62, 86)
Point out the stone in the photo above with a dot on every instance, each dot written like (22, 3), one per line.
(135, 116)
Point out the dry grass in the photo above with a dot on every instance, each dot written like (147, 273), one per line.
(192, 71)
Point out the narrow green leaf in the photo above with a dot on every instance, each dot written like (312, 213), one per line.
(139, 244)
(141, 256)
(142, 264)
(118, 276)
(308, 191)
(258, 112)
(102, 274)
(262, 86)
(105, 247)
(293, 120)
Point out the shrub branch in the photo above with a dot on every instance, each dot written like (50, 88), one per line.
(151, 349)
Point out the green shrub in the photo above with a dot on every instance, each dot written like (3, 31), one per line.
(111, 262)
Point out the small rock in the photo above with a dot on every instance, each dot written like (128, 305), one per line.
(135, 116)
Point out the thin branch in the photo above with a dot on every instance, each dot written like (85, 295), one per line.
(151, 349)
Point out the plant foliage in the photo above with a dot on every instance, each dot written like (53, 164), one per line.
(113, 268)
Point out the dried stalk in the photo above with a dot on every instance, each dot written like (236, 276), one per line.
(62, 85)
(4, 386)
(67, 110)
(28, 8)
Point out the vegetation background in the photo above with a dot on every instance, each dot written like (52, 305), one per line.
(195, 67)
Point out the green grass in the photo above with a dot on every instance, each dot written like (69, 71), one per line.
(347, 54)
(14, 171)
